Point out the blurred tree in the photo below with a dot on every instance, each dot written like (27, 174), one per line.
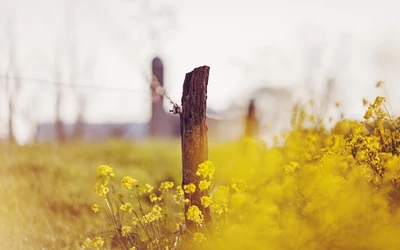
(11, 84)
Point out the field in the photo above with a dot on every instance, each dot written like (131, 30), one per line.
(47, 190)
(320, 189)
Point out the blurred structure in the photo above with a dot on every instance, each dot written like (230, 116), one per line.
(46, 132)
(268, 114)
(251, 129)
(162, 124)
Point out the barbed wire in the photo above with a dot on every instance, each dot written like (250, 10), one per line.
(159, 90)
(155, 87)
(64, 84)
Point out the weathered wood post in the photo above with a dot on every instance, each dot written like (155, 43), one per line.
(251, 129)
(194, 136)
(157, 123)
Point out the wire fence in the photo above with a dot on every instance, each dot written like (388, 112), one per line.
(155, 87)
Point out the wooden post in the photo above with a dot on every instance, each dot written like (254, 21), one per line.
(194, 136)
(251, 121)
(158, 124)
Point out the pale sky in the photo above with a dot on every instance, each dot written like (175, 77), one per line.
(247, 44)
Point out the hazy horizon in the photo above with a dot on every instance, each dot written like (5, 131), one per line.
(247, 44)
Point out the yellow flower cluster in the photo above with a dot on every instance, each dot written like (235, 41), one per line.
(126, 230)
(317, 188)
(166, 185)
(179, 195)
(189, 188)
(204, 185)
(206, 169)
(206, 201)
(95, 243)
(194, 214)
(154, 215)
(153, 197)
(95, 208)
(104, 176)
(128, 182)
(127, 207)
(239, 185)
(199, 237)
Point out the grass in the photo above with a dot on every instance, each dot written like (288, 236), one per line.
(47, 190)
(319, 189)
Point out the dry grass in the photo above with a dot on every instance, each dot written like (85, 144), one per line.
(47, 190)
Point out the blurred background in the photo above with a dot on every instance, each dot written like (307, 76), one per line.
(80, 69)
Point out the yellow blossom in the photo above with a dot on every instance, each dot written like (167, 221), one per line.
(97, 243)
(101, 189)
(154, 215)
(153, 197)
(148, 188)
(179, 195)
(239, 186)
(127, 207)
(365, 102)
(206, 201)
(204, 184)
(368, 114)
(135, 221)
(194, 214)
(291, 167)
(126, 230)
(104, 174)
(206, 169)
(189, 188)
(128, 182)
(95, 208)
(166, 185)
(199, 237)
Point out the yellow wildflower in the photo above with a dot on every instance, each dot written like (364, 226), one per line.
(104, 174)
(154, 215)
(199, 237)
(166, 185)
(127, 207)
(148, 188)
(97, 243)
(135, 221)
(365, 102)
(368, 114)
(101, 189)
(189, 188)
(179, 195)
(95, 208)
(291, 167)
(204, 184)
(153, 197)
(206, 169)
(194, 214)
(128, 182)
(126, 230)
(239, 185)
(206, 201)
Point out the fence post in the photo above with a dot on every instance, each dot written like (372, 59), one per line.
(157, 123)
(251, 121)
(194, 136)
